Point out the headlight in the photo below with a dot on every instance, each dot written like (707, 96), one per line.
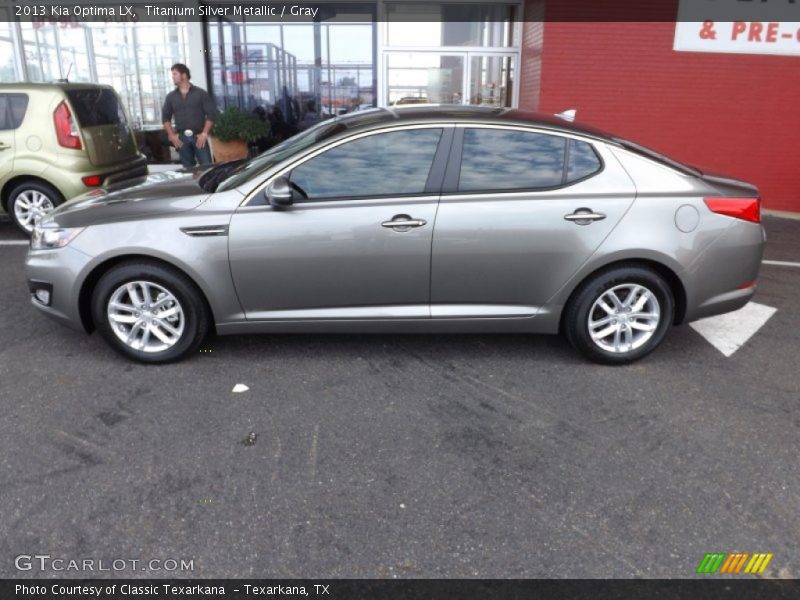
(44, 238)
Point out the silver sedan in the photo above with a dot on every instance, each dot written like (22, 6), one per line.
(420, 219)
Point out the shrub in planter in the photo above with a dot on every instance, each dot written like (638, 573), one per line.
(233, 130)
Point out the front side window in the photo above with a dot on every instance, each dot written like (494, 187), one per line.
(385, 164)
(12, 110)
(498, 159)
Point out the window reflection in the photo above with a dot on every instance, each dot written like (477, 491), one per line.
(384, 164)
(507, 160)
(582, 161)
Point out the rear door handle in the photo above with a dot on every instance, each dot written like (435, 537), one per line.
(584, 216)
(403, 223)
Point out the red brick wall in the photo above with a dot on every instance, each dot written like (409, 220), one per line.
(737, 114)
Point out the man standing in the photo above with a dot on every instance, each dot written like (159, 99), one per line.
(194, 113)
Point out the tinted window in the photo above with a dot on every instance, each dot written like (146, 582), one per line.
(496, 159)
(96, 107)
(12, 110)
(393, 163)
(582, 161)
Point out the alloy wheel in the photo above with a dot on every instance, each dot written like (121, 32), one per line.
(30, 206)
(624, 318)
(145, 316)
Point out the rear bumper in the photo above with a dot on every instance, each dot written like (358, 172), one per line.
(722, 278)
(130, 174)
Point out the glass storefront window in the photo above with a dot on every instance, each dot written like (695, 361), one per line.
(8, 71)
(447, 24)
(491, 80)
(132, 58)
(418, 78)
(295, 74)
(41, 51)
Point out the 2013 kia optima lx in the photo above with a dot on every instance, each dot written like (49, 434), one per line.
(424, 219)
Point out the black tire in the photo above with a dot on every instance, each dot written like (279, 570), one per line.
(195, 319)
(619, 280)
(53, 196)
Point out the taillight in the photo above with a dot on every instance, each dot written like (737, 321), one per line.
(66, 130)
(748, 209)
(92, 180)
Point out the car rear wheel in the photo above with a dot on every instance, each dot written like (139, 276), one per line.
(149, 312)
(619, 315)
(30, 201)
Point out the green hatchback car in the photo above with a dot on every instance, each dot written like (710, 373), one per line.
(60, 140)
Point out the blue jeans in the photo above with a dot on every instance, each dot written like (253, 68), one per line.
(189, 153)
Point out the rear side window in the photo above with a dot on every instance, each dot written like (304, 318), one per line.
(498, 159)
(95, 107)
(12, 110)
(582, 162)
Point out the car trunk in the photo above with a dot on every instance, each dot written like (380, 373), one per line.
(106, 134)
(730, 186)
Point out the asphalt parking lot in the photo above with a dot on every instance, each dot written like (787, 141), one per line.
(401, 456)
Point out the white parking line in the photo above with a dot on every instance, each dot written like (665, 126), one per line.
(14, 243)
(781, 263)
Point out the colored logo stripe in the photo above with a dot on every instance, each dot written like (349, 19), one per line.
(758, 563)
(733, 563)
(711, 562)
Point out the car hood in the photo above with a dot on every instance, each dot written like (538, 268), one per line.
(162, 193)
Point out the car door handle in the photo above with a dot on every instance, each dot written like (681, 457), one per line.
(584, 216)
(4, 146)
(405, 223)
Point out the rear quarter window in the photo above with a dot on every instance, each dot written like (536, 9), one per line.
(95, 107)
(583, 161)
(12, 110)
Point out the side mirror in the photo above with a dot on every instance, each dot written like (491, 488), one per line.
(279, 193)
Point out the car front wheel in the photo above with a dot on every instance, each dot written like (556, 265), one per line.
(30, 201)
(149, 312)
(619, 315)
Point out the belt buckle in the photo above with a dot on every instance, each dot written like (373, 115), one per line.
(188, 133)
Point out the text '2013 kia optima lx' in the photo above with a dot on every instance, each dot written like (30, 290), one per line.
(424, 219)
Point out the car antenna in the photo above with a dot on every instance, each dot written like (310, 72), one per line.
(568, 115)
(66, 77)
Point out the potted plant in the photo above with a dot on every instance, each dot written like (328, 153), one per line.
(233, 130)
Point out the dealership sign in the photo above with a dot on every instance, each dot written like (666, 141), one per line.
(739, 37)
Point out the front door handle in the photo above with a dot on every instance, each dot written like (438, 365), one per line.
(4, 146)
(403, 223)
(584, 216)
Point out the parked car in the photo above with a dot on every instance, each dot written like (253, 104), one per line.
(408, 220)
(60, 140)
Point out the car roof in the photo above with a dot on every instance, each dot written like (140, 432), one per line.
(369, 119)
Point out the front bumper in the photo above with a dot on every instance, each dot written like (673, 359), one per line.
(61, 271)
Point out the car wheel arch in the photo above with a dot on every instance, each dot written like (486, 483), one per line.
(667, 273)
(5, 193)
(91, 280)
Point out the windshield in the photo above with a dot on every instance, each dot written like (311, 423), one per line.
(247, 170)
